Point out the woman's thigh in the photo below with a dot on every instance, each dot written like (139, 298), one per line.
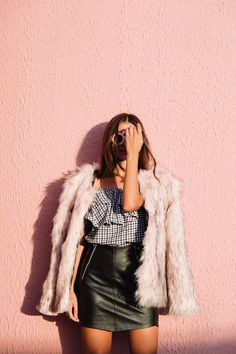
(96, 341)
(143, 340)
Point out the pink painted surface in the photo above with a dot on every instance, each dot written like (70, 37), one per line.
(68, 66)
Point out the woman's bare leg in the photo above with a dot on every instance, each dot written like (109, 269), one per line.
(144, 340)
(96, 341)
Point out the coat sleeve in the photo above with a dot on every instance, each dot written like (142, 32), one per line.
(60, 226)
(182, 298)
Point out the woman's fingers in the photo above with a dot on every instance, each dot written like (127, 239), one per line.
(72, 312)
(134, 138)
(76, 311)
(139, 127)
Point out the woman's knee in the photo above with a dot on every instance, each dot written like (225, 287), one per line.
(144, 340)
(96, 341)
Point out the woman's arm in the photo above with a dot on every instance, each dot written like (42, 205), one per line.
(182, 296)
(133, 199)
(76, 264)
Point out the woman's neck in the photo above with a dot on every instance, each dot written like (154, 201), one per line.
(118, 171)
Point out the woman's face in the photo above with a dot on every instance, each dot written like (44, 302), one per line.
(122, 154)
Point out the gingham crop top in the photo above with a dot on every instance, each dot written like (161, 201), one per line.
(108, 223)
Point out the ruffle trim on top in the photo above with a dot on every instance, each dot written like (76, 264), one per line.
(107, 208)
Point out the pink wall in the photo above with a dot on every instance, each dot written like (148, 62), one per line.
(68, 66)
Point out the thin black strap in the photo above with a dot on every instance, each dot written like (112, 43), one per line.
(94, 176)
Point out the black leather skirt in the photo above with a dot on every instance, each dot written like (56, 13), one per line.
(105, 286)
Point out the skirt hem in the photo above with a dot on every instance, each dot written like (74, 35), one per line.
(105, 328)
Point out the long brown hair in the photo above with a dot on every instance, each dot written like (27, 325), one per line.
(109, 158)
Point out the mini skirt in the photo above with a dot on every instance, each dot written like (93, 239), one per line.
(105, 285)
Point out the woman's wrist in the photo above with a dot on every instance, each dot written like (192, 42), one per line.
(134, 156)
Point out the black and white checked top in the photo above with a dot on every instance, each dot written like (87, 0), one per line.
(106, 222)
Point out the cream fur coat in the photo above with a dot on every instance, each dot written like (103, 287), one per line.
(164, 275)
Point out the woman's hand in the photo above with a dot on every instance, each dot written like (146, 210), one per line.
(133, 139)
(72, 312)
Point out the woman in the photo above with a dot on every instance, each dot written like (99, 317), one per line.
(119, 256)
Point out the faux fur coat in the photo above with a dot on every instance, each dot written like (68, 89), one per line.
(164, 275)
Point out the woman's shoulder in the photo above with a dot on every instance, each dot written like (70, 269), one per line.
(81, 173)
(164, 175)
(169, 179)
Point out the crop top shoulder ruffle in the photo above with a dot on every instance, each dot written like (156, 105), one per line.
(106, 216)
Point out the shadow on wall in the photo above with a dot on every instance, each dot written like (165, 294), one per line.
(69, 331)
(71, 345)
(89, 150)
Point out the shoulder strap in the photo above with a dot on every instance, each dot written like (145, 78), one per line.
(94, 176)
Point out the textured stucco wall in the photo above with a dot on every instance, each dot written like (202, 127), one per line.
(68, 66)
